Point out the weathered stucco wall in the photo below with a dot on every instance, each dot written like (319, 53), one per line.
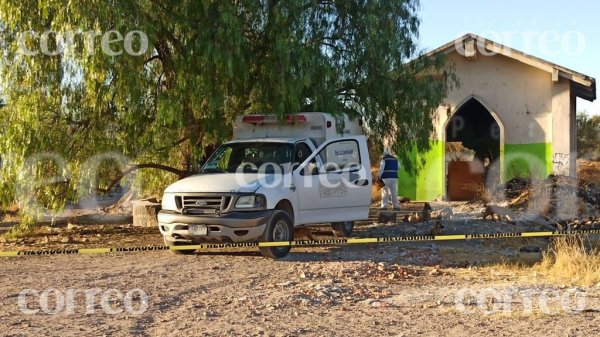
(561, 128)
(535, 114)
(519, 95)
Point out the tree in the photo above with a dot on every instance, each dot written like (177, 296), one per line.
(588, 136)
(206, 62)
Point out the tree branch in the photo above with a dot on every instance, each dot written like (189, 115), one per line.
(180, 173)
(155, 57)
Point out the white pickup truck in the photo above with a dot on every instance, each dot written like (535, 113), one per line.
(308, 168)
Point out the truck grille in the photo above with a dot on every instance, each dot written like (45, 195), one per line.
(204, 204)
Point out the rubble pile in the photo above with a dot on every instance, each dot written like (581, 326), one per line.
(456, 151)
(349, 282)
(334, 292)
(517, 191)
(562, 201)
(590, 193)
(381, 271)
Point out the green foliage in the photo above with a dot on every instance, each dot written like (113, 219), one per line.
(588, 136)
(207, 62)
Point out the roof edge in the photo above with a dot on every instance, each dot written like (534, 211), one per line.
(584, 82)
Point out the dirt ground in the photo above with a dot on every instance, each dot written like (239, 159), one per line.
(309, 293)
(453, 288)
(403, 289)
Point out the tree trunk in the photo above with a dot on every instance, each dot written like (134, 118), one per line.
(145, 213)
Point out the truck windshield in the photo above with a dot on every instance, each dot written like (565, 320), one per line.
(265, 157)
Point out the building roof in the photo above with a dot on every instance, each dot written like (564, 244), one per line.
(583, 86)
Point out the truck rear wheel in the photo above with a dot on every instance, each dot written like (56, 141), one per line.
(179, 251)
(342, 229)
(280, 228)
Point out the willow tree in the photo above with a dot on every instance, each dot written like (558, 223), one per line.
(177, 72)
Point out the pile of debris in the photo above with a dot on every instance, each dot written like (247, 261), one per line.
(590, 193)
(562, 201)
(456, 151)
(382, 271)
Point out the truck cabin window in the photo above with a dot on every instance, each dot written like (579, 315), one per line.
(300, 154)
(341, 156)
(251, 157)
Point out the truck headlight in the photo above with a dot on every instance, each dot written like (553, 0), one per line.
(251, 201)
(168, 202)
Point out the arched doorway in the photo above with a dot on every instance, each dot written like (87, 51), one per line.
(473, 144)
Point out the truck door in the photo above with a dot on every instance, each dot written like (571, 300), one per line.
(334, 183)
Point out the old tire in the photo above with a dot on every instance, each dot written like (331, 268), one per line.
(180, 251)
(280, 228)
(342, 229)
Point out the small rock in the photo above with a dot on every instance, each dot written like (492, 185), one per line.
(434, 272)
(66, 239)
(2, 239)
(535, 219)
(71, 226)
(530, 249)
(284, 284)
(306, 275)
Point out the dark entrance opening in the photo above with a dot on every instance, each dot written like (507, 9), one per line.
(472, 127)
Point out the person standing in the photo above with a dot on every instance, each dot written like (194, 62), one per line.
(388, 172)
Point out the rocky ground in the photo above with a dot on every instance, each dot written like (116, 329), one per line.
(453, 288)
(402, 289)
(354, 291)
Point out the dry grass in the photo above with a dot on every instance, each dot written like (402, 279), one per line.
(481, 192)
(573, 260)
(588, 171)
(567, 261)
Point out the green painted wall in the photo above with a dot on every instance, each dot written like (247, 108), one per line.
(427, 183)
(519, 160)
(524, 160)
(430, 178)
(407, 182)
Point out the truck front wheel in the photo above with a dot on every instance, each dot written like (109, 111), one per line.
(342, 229)
(280, 228)
(179, 251)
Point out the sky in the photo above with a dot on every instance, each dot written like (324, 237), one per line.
(565, 33)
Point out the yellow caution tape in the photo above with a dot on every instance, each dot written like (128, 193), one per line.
(297, 243)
